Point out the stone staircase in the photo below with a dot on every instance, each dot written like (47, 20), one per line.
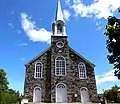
(25, 101)
(64, 103)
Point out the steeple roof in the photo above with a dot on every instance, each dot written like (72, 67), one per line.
(59, 13)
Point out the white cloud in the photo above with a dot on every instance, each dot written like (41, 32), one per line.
(98, 9)
(23, 44)
(23, 59)
(67, 1)
(99, 25)
(34, 34)
(107, 77)
(66, 14)
(10, 25)
(99, 28)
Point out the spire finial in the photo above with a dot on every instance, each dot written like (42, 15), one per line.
(59, 13)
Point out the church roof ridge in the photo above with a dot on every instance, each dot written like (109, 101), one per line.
(38, 56)
(93, 65)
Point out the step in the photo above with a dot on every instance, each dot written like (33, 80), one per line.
(64, 103)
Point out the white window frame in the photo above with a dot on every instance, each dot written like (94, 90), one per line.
(86, 89)
(61, 43)
(39, 72)
(56, 87)
(80, 70)
(56, 67)
(83, 88)
(34, 92)
(60, 84)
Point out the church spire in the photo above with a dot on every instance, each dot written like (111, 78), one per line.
(59, 13)
(58, 26)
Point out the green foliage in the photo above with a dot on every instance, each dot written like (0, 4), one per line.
(7, 96)
(112, 94)
(113, 41)
(3, 80)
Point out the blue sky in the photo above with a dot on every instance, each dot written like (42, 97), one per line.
(25, 30)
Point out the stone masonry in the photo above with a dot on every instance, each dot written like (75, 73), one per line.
(49, 80)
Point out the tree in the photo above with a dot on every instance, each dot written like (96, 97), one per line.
(112, 94)
(113, 42)
(3, 80)
(7, 96)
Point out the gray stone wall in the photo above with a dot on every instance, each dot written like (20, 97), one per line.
(50, 80)
(72, 80)
(54, 53)
(43, 83)
(89, 83)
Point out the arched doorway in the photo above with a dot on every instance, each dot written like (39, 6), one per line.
(61, 93)
(37, 94)
(84, 94)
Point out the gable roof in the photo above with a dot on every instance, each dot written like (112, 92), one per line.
(38, 55)
(91, 64)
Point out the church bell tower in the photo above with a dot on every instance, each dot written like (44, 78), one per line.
(59, 48)
(58, 26)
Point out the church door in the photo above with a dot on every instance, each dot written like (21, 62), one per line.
(84, 95)
(37, 95)
(61, 93)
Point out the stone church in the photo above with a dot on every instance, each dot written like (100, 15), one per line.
(60, 74)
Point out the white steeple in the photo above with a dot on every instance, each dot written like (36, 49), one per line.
(59, 13)
(58, 26)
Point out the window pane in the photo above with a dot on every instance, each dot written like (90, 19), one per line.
(82, 70)
(60, 66)
(57, 63)
(38, 70)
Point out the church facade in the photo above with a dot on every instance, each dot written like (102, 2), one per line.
(60, 74)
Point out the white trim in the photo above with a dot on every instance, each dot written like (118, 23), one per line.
(84, 69)
(41, 69)
(58, 45)
(38, 56)
(87, 94)
(60, 83)
(34, 92)
(56, 90)
(65, 65)
(90, 63)
(84, 88)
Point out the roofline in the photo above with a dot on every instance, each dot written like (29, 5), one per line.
(93, 65)
(37, 56)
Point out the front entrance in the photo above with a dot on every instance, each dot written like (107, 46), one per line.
(84, 94)
(61, 93)
(37, 95)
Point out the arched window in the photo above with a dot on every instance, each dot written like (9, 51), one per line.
(84, 89)
(61, 86)
(61, 93)
(59, 28)
(60, 66)
(37, 94)
(84, 94)
(82, 70)
(38, 70)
